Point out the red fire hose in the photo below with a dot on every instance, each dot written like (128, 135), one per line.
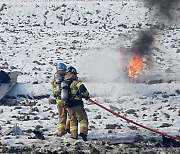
(131, 121)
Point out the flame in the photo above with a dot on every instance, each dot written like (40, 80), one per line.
(135, 66)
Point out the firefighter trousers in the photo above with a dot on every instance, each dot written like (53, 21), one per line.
(64, 122)
(77, 115)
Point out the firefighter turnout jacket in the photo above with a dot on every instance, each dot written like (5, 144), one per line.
(64, 123)
(76, 111)
(78, 90)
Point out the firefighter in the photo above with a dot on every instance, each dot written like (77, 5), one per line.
(75, 105)
(63, 124)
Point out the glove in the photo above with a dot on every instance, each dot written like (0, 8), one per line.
(87, 98)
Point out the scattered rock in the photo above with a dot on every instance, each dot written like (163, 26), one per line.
(45, 118)
(131, 111)
(155, 81)
(173, 46)
(119, 126)
(133, 127)
(155, 118)
(38, 127)
(178, 51)
(165, 125)
(165, 96)
(17, 107)
(113, 108)
(159, 108)
(3, 7)
(34, 109)
(111, 126)
(121, 101)
(144, 108)
(171, 108)
(48, 109)
(168, 70)
(91, 127)
(38, 97)
(166, 115)
(109, 131)
(38, 63)
(97, 117)
(94, 150)
(172, 94)
(29, 103)
(32, 113)
(178, 91)
(36, 118)
(35, 82)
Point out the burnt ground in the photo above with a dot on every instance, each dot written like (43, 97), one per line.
(57, 145)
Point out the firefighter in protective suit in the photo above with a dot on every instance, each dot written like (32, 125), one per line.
(64, 124)
(75, 105)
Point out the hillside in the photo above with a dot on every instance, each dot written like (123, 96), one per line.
(98, 38)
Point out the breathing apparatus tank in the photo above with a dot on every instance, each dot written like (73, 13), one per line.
(64, 91)
(58, 78)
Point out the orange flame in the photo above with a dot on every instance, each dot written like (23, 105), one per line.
(135, 66)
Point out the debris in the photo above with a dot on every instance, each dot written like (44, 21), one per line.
(125, 140)
(14, 130)
(6, 87)
(38, 134)
(168, 142)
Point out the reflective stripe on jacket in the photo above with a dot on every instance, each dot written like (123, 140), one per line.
(78, 90)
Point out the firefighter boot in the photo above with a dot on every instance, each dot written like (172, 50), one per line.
(61, 132)
(84, 136)
(67, 128)
(74, 134)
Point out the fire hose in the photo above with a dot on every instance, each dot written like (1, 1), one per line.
(131, 121)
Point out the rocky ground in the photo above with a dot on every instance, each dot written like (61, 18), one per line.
(39, 138)
(56, 145)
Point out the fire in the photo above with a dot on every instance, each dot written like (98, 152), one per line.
(135, 66)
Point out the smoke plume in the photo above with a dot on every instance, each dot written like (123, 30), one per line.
(143, 43)
(164, 7)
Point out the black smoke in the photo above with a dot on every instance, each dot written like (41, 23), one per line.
(164, 7)
(142, 45)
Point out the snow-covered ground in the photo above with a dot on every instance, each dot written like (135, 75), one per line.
(96, 37)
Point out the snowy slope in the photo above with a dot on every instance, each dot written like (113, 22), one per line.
(96, 38)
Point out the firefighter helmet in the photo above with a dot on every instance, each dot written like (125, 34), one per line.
(72, 70)
(61, 67)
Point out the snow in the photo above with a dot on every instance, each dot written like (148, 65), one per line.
(95, 37)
